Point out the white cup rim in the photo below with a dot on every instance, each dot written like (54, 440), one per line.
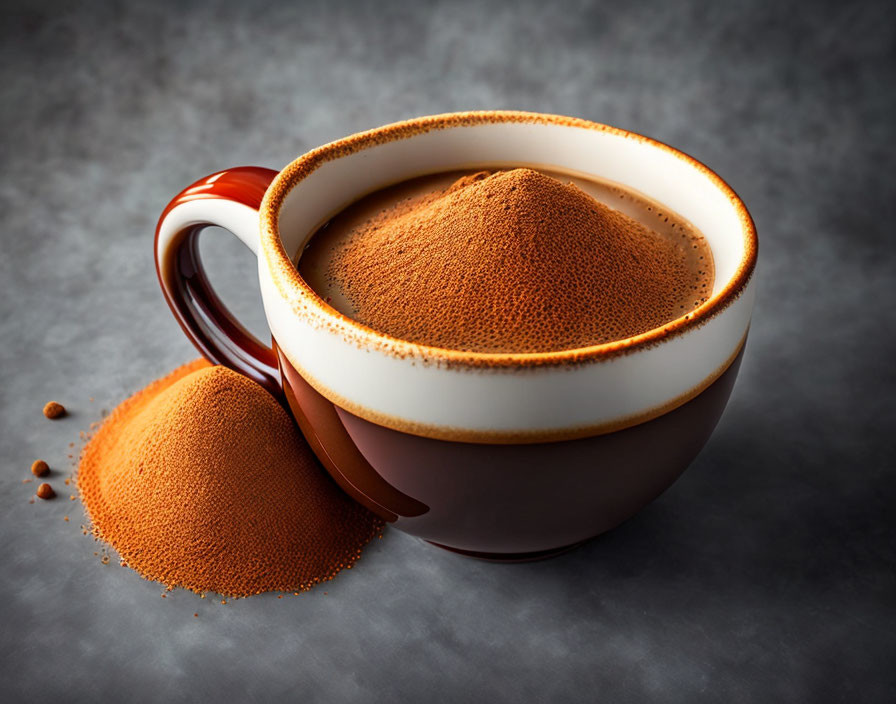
(293, 287)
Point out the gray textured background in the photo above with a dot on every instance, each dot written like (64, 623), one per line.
(766, 573)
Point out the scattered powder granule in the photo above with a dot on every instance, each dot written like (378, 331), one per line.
(54, 410)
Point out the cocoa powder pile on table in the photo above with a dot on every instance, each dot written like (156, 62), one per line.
(511, 261)
(202, 480)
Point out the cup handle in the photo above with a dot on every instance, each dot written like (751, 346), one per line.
(229, 199)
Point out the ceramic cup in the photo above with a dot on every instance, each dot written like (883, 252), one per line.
(503, 456)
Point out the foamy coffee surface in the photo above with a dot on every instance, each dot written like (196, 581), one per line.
(508, 261)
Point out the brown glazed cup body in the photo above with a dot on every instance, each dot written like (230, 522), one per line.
(505, 501)
(505, 457)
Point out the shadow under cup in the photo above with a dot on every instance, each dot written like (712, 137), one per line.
(506, 457)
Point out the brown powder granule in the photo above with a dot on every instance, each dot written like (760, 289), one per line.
(40, 468)
(514, 261)
(202, 480)
(45, 491)
(54, 410)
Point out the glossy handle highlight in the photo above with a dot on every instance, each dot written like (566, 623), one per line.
(229, 199)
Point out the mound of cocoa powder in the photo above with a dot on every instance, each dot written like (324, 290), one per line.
(202, 480)
(511, 261)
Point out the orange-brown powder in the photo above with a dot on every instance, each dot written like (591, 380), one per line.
(202, 480)
(54, 410)
(513, 261)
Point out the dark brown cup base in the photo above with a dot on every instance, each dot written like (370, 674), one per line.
(511, 557)
(505, 502)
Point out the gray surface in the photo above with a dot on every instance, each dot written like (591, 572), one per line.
(766, 573)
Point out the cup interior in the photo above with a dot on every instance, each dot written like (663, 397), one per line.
(380, 158)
